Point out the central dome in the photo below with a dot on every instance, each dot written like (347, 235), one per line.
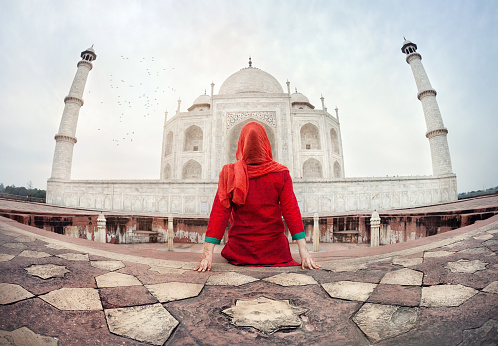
(250, 80)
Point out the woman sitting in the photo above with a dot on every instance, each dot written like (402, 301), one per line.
(254, 193)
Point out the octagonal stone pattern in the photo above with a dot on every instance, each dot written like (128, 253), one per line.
(107, 265)
(446, 295)
(146, 323)
(380, 322)
(10, 293)
(114, 279)
(25, 336)
(34, 254)
(47, 271)
(78, 299)
(466, 266)
(405, 277)
(170, 291)
(264, 314)
(74, 256)
(349, 290)
(230, 279)
(291, 279)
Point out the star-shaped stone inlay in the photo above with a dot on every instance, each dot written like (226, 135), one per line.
(25, 336)
(230, 279)
(74, 256)
(349, 290)
(171, 291)
(380, 322)
(34, 254)
(491, 288)
(146, 323)
(107, 265)
(466, 266)
(405, 277)
(265, 315)
(47, 271)
(291, 279)
(10, 293)
(446, 295)
(81, 299)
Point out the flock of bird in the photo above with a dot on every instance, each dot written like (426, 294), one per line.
(137, 92)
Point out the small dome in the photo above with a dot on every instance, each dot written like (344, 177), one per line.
(90, 50)
(299, 99)
(250, 80)
(203, 100)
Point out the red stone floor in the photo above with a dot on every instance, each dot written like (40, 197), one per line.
(440, 290)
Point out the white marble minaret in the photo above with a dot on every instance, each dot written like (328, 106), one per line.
(66, 137)
(436, 132)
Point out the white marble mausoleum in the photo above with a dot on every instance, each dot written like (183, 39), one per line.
(305, 138)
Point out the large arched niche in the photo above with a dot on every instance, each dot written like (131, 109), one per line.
(312, 169)
(337, 170)
(193, 139)
(192, 170)
(168, 150)
(310, 137)
(233, 139)
(167, 171)
(335, 141)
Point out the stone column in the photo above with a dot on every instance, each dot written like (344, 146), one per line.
(170, 233)
(316, 233)
(101, 229)
(375, 229)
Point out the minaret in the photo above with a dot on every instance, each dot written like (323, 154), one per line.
(65, 138)
(436, 132)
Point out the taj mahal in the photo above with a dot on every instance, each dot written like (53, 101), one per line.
(199, 141)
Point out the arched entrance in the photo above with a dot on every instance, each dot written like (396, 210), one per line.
(233, 139)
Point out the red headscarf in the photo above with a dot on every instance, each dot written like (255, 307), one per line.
(254, 159)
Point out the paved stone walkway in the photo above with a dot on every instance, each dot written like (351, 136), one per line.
(441, 290)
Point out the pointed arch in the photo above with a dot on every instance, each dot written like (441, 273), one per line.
(310, 137)
(312, 169)
(168, 150)
(337, 170)
(233, 139)
(334, 141)
(167, 171)
(192, 170)
(193, 139)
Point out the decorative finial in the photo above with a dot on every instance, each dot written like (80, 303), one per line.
(92, 45)
(296, 90)
(404, 38)
(250, 62)
(204, 91)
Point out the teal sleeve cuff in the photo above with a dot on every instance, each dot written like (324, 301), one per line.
(213, 240)
(298, 236)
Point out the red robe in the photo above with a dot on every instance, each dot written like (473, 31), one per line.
(256, 235)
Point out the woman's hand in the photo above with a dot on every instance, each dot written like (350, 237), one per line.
(306, 259)
(206, 258)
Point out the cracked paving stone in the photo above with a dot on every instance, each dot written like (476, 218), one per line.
(170, 291)
(435, 254)
(466, 266)
(265, 315)
(34, 254)
(11, 293)
(25, 336)
(484, 237)
(344, 267)
(47, 271)
(291, 279)
(19, 246)
(230, 279)
(77, 299)
(492, 287)
(407, 262)
(446, 295)
(380, 322)
(166, 270)
(487, 334)
(107, 265)
(5, 257)
(349, 290)
(114, 279)
(405, 277)
(74, 256)
(146, 323)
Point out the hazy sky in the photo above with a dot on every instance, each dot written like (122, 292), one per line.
(151, 53)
